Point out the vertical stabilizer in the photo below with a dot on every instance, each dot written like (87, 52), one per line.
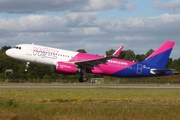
(160, 56)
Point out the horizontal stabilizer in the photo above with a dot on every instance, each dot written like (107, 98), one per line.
(174, 72)
(161, 71)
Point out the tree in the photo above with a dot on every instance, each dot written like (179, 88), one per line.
(149, 52)
(130, 55)
(175, 64)
(122, 54)
(46, 78)
(110, 52)
(4, 48)
(140, 57)
(81, 50)
(170, 60)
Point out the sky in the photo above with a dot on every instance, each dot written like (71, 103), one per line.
(93, 25)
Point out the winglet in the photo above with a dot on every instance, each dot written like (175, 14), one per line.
(117, 52)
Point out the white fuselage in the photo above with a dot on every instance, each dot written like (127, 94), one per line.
(40, 54)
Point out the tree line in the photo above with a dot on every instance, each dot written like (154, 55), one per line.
(41, 73)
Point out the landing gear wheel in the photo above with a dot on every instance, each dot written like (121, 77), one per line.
(83, 79)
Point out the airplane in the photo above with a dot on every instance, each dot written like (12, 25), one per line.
(69, 62)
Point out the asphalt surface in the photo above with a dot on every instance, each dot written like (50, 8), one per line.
(89, 87)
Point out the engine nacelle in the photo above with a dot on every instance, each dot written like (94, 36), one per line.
(66, 68)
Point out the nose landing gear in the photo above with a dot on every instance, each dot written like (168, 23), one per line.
(27, 65)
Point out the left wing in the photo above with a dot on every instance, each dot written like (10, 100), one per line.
(95, 62)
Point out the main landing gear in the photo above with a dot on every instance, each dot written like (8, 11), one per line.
(83, 77)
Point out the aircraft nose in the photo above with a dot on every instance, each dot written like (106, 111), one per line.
(9, 52)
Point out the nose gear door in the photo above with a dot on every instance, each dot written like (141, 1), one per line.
(29, 50)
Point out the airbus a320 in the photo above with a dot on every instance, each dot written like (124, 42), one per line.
(70, 62)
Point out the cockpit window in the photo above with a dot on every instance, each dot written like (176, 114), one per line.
(17, 47)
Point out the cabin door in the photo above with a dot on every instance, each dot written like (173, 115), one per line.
(139, 68)
(29, 50)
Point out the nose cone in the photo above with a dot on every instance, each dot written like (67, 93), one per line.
(8, 52)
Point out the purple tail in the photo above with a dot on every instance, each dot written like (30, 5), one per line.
(160, 56)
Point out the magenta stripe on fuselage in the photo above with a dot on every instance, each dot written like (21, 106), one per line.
(113, 65)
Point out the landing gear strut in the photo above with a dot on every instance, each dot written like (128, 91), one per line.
(83, 77)
(27, 65)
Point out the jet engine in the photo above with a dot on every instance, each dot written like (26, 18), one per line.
(66, 68)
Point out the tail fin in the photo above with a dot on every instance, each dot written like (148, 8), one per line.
(160, 56)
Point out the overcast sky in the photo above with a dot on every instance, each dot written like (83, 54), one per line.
(94, 25)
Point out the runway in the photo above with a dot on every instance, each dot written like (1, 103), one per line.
(90, 87)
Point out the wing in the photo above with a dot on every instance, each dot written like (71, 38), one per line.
(95, 62)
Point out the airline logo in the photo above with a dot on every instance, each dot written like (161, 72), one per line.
(45, 52)
(118, 62)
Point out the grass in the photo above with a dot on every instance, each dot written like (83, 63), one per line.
(89, 104)
(119, 96)
(83, 112)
